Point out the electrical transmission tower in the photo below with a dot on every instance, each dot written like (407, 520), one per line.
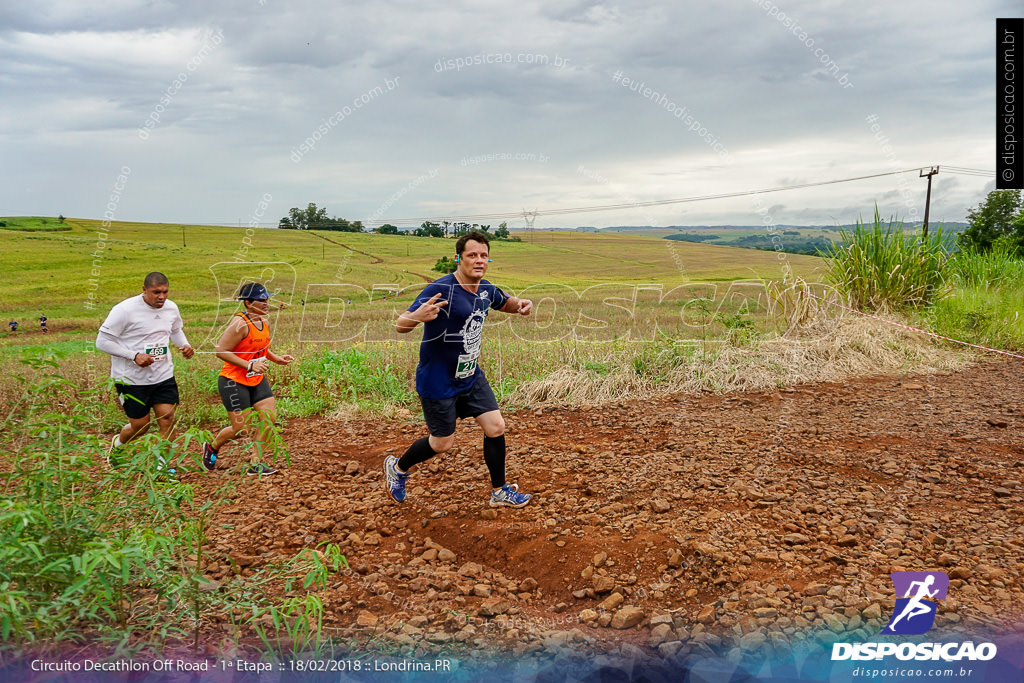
(530, 217)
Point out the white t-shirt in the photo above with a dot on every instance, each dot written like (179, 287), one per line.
(137, 327)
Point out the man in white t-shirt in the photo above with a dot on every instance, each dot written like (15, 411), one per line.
(136, 334)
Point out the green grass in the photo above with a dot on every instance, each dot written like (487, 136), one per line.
(999, 268)
(986, 304)
(33, 224)
(596, 295)
(982, 316)
(29, 341)
(878, 266)
(55, 269)
(573, 278)
(971, 296)
(114, 557)
(357, 376)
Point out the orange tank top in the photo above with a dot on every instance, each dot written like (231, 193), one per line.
(254, 345)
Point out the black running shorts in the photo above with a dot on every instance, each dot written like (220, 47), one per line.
(138, 399)
(240, 397)
(441, 413)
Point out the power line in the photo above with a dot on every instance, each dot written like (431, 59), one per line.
(958, 170)
(976, 172)
(659, 202)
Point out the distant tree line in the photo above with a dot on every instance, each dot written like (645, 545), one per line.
(813, 246)
(805, 245)
(314, 218)
(795, 243)
(692, 237)
(457, 229)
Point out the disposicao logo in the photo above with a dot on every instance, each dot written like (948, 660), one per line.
(914, 614)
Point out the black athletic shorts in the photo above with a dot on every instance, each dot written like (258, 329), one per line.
(138, 399)
(237, 396)
(441, 413)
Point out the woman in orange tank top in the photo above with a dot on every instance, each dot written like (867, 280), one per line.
(242, 383)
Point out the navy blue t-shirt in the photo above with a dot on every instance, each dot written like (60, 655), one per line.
(451, 341)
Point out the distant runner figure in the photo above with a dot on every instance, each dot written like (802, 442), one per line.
(448, 381)
(42, 324)
(135, 334)
(243, 385)
(14, 325)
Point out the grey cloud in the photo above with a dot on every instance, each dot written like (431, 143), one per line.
(286, 67)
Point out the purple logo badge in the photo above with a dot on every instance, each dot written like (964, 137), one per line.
(917, 594)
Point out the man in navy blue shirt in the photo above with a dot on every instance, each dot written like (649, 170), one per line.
(448, 380)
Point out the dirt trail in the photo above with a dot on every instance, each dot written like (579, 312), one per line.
(373, 259)
(721, 516)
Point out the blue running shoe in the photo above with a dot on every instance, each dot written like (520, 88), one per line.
(509, 495)
(209, 457)
(394, 481)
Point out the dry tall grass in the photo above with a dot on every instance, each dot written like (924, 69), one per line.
(845, 348)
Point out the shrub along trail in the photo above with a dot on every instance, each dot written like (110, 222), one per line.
(744, 520)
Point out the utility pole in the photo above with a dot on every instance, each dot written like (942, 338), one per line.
(182, 235)
(928, 197)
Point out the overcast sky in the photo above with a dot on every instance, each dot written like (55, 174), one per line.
(419, 110)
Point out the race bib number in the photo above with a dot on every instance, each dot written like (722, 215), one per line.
(158, 353)
(466, 367)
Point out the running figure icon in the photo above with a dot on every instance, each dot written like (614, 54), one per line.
(915, 607)
(918, 594)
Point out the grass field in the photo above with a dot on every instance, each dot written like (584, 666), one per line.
(616, 315)
(614, 312)
(596, 296)
(33, 224)
(56, 273)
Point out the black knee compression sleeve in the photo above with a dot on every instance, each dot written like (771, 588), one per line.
(494, 456)
(419, 451)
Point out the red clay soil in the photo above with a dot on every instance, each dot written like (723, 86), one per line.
(725, 519)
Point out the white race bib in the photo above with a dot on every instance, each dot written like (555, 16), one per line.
(158, 353)
(467, 365)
